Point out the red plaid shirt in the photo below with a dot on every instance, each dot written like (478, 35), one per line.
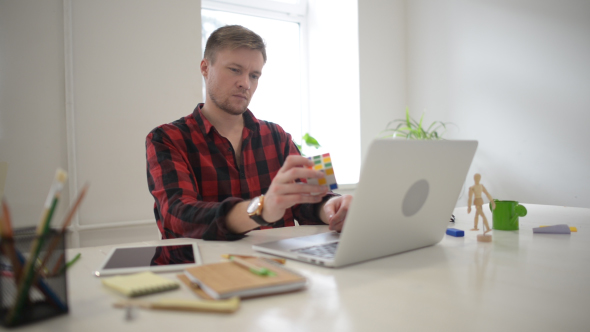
(195, 180)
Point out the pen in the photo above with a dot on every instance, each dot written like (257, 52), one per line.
(278, 260)
(258, 270)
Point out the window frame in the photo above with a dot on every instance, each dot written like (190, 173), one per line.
(273, 7)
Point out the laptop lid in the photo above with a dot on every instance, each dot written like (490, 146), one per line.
(406, 194)
(405, 197)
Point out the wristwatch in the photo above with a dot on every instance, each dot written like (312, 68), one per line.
(255, 210)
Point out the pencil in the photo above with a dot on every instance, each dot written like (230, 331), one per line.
(278, 260)
(17, 258)
(45, 289)
(74, 208)
(3, 174)
(70, 263)
(8, 240)
(58, 265)
(25, 282)
(65, 225)
(258, 270)
(6, 224)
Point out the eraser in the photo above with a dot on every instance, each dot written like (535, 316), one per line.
(455, 232)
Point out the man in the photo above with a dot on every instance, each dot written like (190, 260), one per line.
(220, 172)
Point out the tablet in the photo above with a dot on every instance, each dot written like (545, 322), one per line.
(155, 258)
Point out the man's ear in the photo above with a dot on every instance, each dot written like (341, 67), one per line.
(205, 68)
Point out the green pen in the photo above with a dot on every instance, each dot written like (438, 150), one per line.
(258, 270)
(70, 263)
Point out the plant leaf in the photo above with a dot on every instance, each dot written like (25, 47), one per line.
(408, 123)
(421, 119)
(310, 141)
(412, 129)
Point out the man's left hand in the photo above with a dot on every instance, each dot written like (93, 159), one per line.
(334, 211)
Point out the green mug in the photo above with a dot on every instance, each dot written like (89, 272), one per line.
(505, 215)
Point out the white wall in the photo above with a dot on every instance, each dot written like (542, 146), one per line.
(32, 116)
(133, 65)
(382, 63)
(513, 75)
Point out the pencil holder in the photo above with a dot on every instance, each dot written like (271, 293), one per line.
(47, 295)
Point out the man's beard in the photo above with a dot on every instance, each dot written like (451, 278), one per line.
(226, 107)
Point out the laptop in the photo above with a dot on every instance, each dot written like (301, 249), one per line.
(404, 200)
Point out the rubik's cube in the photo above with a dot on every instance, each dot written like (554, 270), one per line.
(323, 163)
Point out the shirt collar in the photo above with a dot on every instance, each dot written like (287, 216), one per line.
(250, 121)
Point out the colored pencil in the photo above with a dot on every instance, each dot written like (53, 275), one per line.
(258, 270)
(278, 260)
(70, 263)
(17, 259)
(27, 279)
(8, 241)
(65, 224)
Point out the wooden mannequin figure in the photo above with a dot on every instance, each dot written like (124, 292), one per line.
(476, 190)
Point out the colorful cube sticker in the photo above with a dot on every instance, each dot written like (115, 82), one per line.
(323, 163)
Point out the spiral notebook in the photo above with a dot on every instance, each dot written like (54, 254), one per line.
(140, 284)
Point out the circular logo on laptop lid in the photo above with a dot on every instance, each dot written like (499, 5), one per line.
(415, 198)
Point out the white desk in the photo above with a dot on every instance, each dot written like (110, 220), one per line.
(520, 282)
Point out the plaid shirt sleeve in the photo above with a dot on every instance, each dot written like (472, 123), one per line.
(179, 208)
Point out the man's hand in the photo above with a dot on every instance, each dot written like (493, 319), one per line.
(284, 192)
(334, 211)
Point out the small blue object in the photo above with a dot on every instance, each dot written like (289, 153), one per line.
(455, 232)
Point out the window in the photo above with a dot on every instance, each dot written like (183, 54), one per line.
(281, 77)
(283, 95)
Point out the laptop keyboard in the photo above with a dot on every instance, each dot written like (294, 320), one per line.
(327, 250)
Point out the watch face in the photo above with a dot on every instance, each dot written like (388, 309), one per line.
(253, 206)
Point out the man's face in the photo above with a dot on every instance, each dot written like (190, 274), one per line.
(232, 80)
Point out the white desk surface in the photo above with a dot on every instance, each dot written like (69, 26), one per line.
(519, 282)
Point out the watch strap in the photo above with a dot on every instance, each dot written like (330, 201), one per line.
(259, 220)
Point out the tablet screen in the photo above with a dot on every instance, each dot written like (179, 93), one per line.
(150, 258)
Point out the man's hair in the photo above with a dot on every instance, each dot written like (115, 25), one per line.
(232, 37)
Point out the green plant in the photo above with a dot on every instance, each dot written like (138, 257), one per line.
(309, 141)
(409, 128)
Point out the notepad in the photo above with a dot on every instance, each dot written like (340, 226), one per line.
(140, 284)
(227, 279)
